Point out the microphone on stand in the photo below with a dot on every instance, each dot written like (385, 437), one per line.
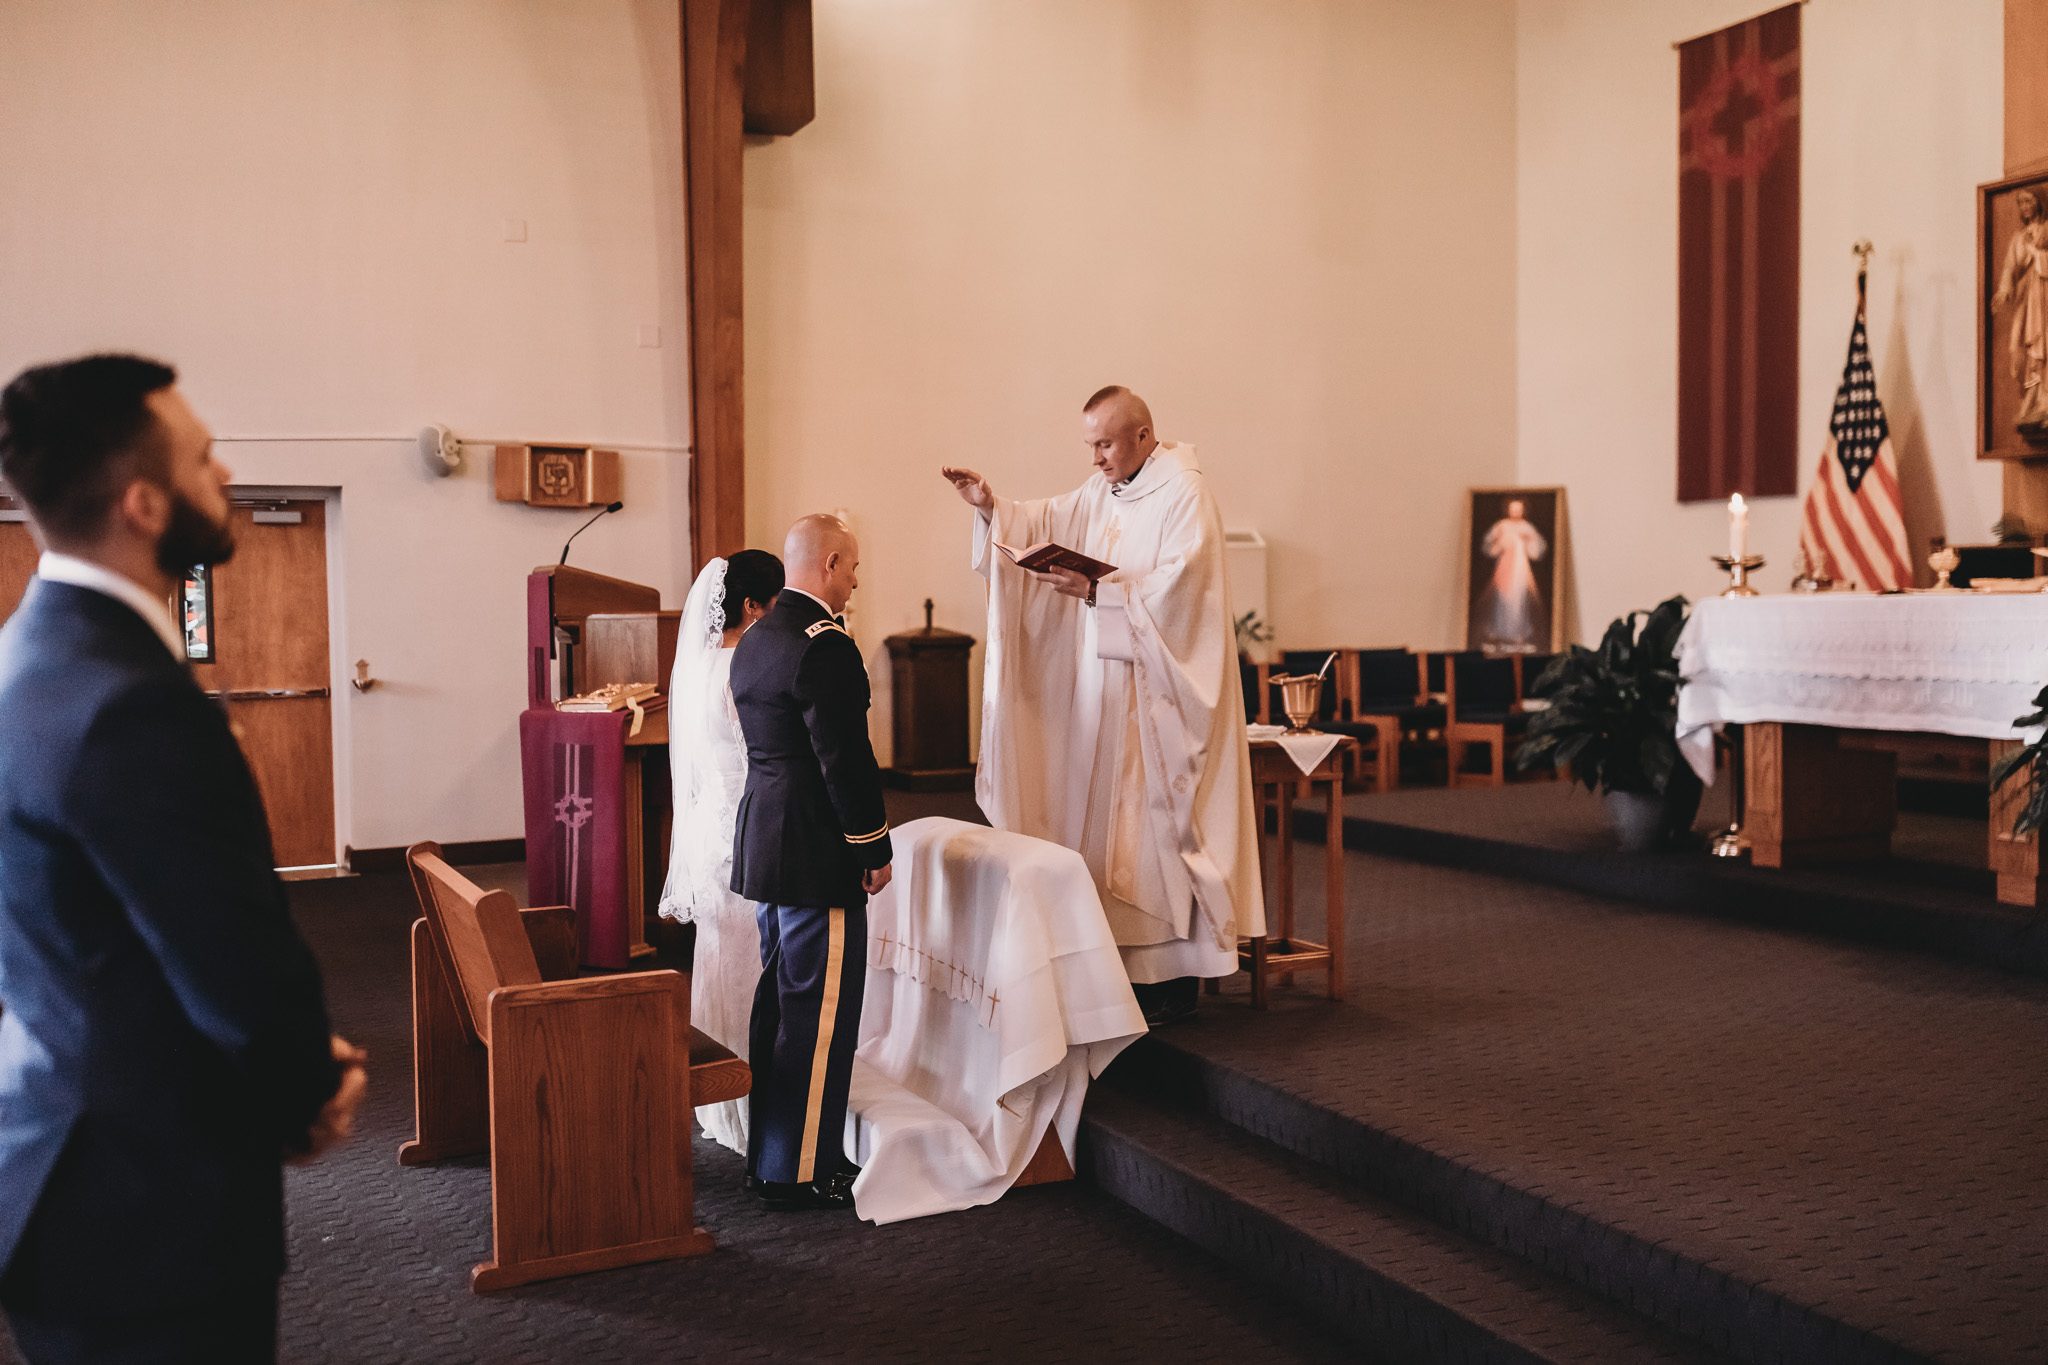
(581, 529)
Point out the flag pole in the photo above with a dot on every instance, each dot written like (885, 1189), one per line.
(1862, 252)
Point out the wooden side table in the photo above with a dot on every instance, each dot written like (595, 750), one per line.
(1281, 953)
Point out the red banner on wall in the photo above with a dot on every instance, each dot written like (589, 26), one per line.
(1738, 260)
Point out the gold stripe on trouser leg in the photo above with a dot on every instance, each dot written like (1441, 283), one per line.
(828, 1012)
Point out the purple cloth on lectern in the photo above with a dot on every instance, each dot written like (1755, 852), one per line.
(573, 769)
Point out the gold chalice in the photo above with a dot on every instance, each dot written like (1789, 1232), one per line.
(1944, 562)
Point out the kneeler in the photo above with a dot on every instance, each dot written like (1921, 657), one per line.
(581, 1089)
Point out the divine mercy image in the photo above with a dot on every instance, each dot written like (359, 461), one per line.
(1513, 571)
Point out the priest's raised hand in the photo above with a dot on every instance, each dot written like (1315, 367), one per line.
(975, 492)
(1113, 716)
(973, 489)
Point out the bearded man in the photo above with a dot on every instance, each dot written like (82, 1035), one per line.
(164, 1045)
(1112, 711)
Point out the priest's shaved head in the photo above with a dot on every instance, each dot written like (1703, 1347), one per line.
(819, 557)
(1116, 426)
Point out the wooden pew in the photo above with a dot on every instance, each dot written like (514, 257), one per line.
(581, 1090)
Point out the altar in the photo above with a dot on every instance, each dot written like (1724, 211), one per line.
(1831, 687)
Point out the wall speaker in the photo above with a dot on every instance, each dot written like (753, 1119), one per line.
(440, 452)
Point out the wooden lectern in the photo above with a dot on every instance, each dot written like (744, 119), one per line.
(928, 675)
(597, 797)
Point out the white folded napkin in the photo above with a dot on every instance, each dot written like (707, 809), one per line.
(1308, 750)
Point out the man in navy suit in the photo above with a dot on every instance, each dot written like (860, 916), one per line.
(810, 845)
(164, 1043)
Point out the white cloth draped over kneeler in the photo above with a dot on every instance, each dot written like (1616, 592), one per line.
(994, 994)
(1118, 730)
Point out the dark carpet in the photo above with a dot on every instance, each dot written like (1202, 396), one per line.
(1856, 1127)
(1926, 847)
(381, 1254)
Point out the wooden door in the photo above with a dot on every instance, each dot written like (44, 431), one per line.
(270, 665)
(18, 555)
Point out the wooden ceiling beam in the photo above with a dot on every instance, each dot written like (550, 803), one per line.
(781, 93)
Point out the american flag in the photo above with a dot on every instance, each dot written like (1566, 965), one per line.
(1855, 525)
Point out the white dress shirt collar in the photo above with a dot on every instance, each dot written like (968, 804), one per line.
(830, 615)
(83, 573)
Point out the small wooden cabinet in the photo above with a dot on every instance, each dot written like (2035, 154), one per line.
(928, 676)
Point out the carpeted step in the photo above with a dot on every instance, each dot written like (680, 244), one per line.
(1920, 907)
(1750, 1321)
(1392, 1281)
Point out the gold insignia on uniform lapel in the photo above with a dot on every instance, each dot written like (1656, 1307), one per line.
(812, 631)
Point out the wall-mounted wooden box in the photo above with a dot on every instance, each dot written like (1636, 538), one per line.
(557, 476)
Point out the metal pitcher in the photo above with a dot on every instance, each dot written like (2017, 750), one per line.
(1301, 697)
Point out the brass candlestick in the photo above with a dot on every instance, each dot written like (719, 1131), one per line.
(1739, 571)
(1732, 842)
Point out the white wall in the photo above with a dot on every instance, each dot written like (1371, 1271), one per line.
(1364, 253)
(301, 206)
(1287, 226)
(1901, 115)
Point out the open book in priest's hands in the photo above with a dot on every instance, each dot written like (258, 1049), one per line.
(1046, 555)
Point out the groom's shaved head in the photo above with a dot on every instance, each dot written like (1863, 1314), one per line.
(813, 540)
(820, 555)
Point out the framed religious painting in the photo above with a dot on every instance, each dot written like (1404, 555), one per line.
(1514, 541)
(2012, 314)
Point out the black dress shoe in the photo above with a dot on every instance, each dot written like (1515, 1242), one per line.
(1159, 1016)
(833, 1192)
(1167, 1002)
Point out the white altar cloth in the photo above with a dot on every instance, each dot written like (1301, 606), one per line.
(994, 994)
(1954, 664)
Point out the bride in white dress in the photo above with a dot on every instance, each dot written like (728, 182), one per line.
(708, 758)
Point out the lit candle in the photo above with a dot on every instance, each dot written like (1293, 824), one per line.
(1738, 528)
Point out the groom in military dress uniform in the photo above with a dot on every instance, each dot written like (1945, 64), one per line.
(810, 845)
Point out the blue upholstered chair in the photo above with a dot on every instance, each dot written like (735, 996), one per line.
(1436, 680)
(1385, 693)
(1484, 708)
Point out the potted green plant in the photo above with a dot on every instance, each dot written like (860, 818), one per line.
(1610, 720)
(1251, 633)
(2034, 759)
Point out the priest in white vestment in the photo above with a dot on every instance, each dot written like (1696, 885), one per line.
(1112, 711)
